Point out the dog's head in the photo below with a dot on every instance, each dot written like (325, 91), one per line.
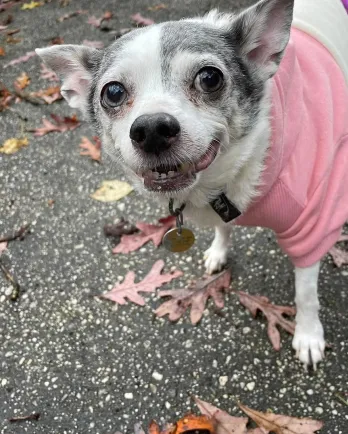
(171, 100)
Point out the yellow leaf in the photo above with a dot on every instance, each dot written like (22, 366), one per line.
(31, 5)
(111, 191)
(10, 146)
(22, 81)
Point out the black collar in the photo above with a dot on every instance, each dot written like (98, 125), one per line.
(225, 208)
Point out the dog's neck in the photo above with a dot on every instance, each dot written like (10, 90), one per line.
(240, 174)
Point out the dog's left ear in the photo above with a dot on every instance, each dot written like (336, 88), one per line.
(261, 34)
(75, 65)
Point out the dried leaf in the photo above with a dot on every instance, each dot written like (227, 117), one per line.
(31, 5)
(3, 247)
(22, 81)
(280, 424)
(122, 227)
(339, 256)
(49, 95)
(154, 233)
(272, 312)
(196, 297)
(157, 7)
(224, 423)
(96, 22)
(2, 51)
(70, 15)
(61, 125)
(7, 20)
(11, 146)
(130, 290)
(48, 74)
(92, 150)
(142, 21)
(12, 40)
(93, 44)
(57, 41)
(111, 191)
(28, 55)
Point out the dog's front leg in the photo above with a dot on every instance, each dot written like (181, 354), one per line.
(308, 340)
(216, 256)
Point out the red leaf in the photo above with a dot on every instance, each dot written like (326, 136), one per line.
(61, 125)
(142, 21)
(48, 74)
(92, 150)
(196, 297)
(130, 290)
(339, 256)
(96, 22)
(28, 55)
(154, 233)
(93, 44)
(273, 313)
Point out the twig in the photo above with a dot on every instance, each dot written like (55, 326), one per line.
(20, 233)
(34, 416)
(338, 396)
(16, 286)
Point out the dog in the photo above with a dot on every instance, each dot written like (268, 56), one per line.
(242, 117)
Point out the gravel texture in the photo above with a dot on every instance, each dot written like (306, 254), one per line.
(89, 366)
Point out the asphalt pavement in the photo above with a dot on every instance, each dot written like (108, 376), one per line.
(90, 366)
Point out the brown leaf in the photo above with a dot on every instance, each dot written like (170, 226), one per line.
(142, 21)
(96, 22)
(12, 40)
(2, 51)
(28, 55)
(11, 146)
(157, 7)
(61, 125)
(70, 15)
(3, 247)
(48, 74)
(49, 95)
(22, 81)
(273, 313)
(57, 41)
(93, 44)
(154, 233)
(196, 297)
(339, 256)
(130, 290)
(280, 424)
(122, 227)
(92, 150)
(224, 423)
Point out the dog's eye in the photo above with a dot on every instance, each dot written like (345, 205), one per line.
(209, 79)
(113, 94)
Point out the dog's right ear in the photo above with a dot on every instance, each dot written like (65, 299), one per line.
(75, 65)
(261, 34)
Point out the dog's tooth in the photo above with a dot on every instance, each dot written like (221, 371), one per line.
(163, 176)
(156, 175)
(171, 173)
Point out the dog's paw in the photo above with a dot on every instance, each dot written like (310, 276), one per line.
(309, 343)
(215, 259)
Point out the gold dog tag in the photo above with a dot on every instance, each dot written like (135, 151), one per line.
(174, 241)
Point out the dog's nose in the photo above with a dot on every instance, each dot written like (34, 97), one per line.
(154, 133)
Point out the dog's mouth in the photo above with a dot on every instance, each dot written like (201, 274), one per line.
(164, 178)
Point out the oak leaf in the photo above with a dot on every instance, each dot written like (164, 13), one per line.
(71, 14)
(142, 21)
(22, 81)
(48, 74)
(28, 55)
(61, 125)
(339, 256)
(280, 424)
(224, 423)
(273, 313)
(92, 150)
(196, 297)
(31, 5)
(49, 95)
(128, 289)
(154, 233)
(96, 22)
(11, 146)
(111, 191)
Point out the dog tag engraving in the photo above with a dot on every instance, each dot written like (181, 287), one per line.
(225, 208)
(178, 240)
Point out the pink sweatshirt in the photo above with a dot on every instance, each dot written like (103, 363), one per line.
(304, 192)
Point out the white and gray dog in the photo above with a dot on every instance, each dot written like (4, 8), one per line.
(241, 117)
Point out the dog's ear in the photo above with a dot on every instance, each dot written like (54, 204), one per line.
(75, 65)
(262, 33)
